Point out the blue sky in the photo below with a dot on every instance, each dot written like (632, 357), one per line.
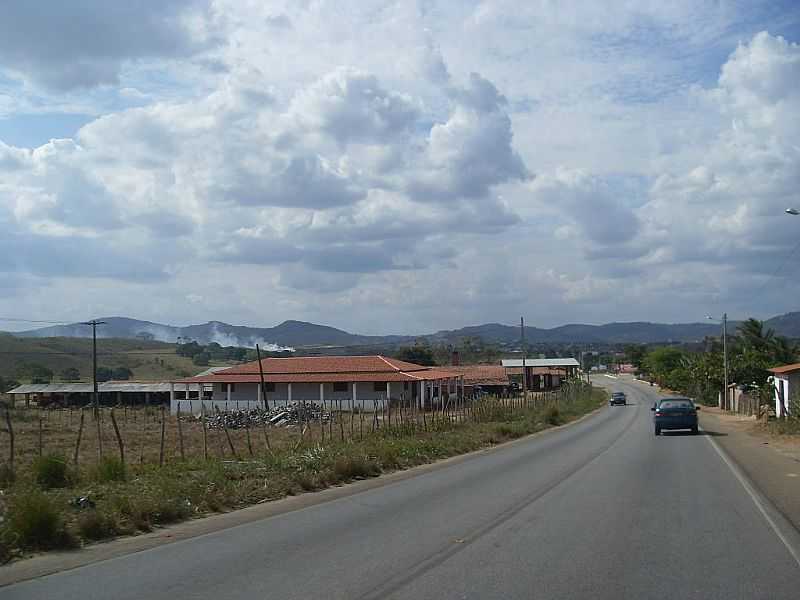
(395, 167)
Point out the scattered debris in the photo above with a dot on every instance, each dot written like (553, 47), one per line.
(280, 416)
(82, 502)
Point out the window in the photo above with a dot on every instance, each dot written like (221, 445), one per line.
(341, 386)
(379, 386)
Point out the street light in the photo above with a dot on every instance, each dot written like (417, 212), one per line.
(724, 354)
(793, 211)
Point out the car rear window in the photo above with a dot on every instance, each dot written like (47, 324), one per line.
(676, 404)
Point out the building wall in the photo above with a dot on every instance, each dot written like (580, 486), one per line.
(244, 396)
(791, 386)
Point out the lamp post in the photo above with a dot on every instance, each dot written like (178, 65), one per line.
(724, 403)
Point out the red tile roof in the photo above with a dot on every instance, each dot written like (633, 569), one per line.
(320, 369)
(785, 369)
(482, 374)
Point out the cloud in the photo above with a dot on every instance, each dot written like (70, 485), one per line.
(85, 43)
(363, 165)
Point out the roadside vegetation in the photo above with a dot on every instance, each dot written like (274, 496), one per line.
(752, 349)
(49, 500)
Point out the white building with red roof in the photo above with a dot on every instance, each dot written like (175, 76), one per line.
(787, 388)
(362, 380)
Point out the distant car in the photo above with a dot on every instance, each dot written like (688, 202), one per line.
(675, 413)
(617, 398)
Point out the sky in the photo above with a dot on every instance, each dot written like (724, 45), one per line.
(399, 166)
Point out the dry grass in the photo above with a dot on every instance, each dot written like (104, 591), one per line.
(141, 494)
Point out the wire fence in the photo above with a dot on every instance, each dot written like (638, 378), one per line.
(150, 435)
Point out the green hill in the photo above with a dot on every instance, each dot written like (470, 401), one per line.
(148, 360)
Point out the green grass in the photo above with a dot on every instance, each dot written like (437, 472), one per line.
(51, 471)
(140, 497)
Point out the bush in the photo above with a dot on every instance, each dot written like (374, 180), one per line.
(50, 471)
(110, 468)
(95, 525)
(170, 510)
(35, 523)
(7, 476)
(349, 467)
(388, 456)
(552, 415)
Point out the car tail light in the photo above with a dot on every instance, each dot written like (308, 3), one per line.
(658, 414)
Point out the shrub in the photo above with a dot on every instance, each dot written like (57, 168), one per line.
(389, 456)
(50, 471)
(110, 468)
(95, 525)
(35, 523)
(7, 476)
(170, 510)
(349, 467)
(552, 415)
(307, 482)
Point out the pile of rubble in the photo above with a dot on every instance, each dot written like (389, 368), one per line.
(280, 416)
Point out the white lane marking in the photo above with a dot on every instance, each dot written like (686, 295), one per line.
(610, 376)
(760, 503)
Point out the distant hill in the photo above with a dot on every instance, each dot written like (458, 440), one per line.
(612, 333)
(147, 359)
(300, 334)
(788, 324)
(286, 335)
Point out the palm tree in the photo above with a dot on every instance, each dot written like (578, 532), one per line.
(783, 351)
(753, 335)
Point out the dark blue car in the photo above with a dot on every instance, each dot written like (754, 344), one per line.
(675, 413)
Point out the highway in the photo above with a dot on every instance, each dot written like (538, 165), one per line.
(601, 509)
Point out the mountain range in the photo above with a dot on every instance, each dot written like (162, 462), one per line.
(299, 334)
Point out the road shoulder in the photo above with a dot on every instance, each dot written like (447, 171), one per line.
(770, 463)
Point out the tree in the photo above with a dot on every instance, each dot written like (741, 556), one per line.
(121, 373)
(70, 374)
(634, 354)
(189, 349)
(104, 374)
(752, 334)
(418, 354)
(35, 373)
(784, 351)
(663, 363)
(7, 384)
(201, 359)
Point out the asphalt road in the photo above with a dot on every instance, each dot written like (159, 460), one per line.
(601, 509)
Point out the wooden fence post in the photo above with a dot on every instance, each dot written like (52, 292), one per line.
(180, 430)
(78, 442)
(97, 416)
(205, 430)
(163, 436)
(41, 444)
(10, 442)
(119, 437)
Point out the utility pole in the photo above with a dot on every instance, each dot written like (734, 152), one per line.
(524, 353)
(725, 356)
(95, 399)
